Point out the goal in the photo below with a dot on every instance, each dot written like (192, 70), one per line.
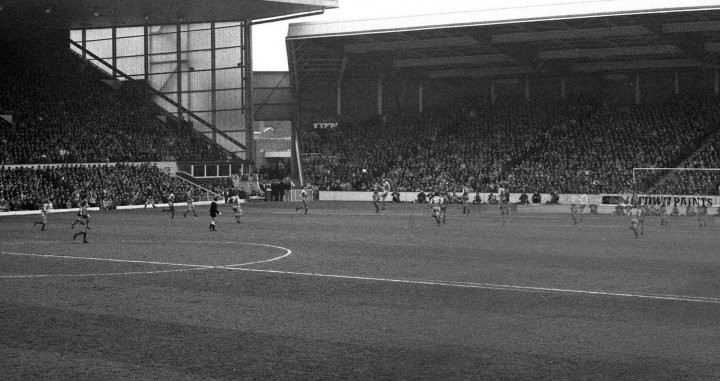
(293, 195)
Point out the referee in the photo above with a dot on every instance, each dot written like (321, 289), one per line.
(214, 212)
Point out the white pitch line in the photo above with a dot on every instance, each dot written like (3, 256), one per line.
(486, 286)
(152, 243)
(602, 293)
(106, 259)
(190, 266)
(97, 274)
(489, 286)
(265, 260)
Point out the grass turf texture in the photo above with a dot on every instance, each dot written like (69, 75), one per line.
(361, 295)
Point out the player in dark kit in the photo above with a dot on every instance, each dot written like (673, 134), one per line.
(149, 198)
(214, 212)
(82, 217)
(83, 233)
(84, 220)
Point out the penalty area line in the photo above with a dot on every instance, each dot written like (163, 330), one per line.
(489, 286)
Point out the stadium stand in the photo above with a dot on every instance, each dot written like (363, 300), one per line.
(694, 182)
(597, 154)
(63, 113)
(546, 147)
(108, 185)
(457, 147)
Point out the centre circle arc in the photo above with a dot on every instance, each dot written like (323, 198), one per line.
(188, 267)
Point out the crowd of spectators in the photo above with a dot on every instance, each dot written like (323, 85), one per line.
(448, 149)
(63, 113)
(220, 186)
(599, 154)
(525, 147)
(702, 177)
(275, 170)
(105, 186)
(417, 153)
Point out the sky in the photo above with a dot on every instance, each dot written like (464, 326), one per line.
(269, 39)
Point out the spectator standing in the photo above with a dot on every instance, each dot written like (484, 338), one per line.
(524, 199)
(536, 197)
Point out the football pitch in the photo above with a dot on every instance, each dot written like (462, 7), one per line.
(345, 293)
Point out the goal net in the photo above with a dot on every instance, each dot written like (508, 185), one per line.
(293, 195)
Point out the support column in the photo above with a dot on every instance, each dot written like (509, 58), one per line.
(114, 52)
(563, 87)
(420, 96)
(637, 89)
(716, 86)
(213, 83)
(249, 107)
(338, 85)
(296, 164)
(527, 87)
(380, 95)
(492, 92)
(146, 56)
(146, 61)
(676, 83)
(339, 99)
(84, 43)
(178, 70)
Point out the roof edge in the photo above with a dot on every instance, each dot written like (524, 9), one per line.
(515, 15)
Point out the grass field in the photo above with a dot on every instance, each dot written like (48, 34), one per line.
(344, 293)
